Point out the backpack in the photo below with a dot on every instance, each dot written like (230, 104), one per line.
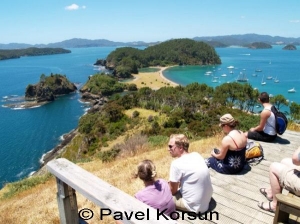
(254, 152)
(281, 121)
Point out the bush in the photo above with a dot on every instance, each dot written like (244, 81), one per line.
(108, 156)
(135, 114)
(132, 145)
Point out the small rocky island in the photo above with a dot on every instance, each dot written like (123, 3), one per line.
(45, 91)
(290, 47)
(259, 45)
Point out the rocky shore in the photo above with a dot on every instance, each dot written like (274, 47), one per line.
(52, 154)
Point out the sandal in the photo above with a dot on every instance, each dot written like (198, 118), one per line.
(264, 193)
(261, 205)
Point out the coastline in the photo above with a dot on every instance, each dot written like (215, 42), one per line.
(153, 80)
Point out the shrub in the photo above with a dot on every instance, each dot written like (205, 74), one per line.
(135, 114)
(110, 155)
(132, 145)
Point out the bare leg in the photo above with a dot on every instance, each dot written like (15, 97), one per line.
(275, 170)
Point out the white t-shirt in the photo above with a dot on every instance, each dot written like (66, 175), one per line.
(195, 184)
(270, 124)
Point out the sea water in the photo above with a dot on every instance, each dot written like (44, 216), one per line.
(273, 63)
(27, 134)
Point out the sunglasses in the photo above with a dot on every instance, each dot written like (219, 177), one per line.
(171, 146)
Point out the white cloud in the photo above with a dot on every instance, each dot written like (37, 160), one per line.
(295, 21)
(72, 7)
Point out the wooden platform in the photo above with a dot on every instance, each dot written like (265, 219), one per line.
(235, 197)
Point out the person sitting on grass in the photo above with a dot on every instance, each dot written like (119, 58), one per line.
(285, 174)
(156, 193)
(230, 157)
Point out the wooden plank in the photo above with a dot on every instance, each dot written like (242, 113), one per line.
(245, 213)
(103, 194)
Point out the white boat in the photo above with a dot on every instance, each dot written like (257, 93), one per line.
(215, 79)
(276, 80)
(224, 75)
(262, 81)
(258, 70)
(292, 90)
(254, 75)
(208, 73)
(269, 77)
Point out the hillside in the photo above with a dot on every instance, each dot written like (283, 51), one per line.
(31, 51)
(215, 41)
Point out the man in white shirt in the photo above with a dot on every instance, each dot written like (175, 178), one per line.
(265, 130)
(189, 180)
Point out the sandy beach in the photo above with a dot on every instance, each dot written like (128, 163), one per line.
(153, 80)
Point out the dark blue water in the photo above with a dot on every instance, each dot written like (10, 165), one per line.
(26, 134)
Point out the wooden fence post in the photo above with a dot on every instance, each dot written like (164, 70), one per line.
(67, 203)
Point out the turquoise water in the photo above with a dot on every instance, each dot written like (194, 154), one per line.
(285, 65)
(26, 134)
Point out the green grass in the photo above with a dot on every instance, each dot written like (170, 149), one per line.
(25, 184)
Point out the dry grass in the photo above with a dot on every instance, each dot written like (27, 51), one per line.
(39, 205)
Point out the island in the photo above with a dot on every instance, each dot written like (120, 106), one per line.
(290, 47)
(125, 61)
(32, 51)
(45, 91)
(259, 45)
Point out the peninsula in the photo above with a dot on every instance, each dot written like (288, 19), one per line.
(32, 51)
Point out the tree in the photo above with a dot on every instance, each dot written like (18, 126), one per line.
(278, 101)
(295, 111)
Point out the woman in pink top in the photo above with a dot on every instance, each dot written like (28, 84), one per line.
(156, 193)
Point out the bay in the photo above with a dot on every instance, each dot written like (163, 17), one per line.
(26, 134)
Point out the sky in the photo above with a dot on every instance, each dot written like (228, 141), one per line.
(50, 21)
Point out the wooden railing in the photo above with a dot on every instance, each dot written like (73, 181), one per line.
(71, 178)
(287, 207)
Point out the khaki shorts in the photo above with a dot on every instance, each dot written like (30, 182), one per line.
(290, 179)
(177, 198)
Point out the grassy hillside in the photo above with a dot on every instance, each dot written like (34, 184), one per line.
(38, 204)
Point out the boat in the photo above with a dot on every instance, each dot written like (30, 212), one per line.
(269, 77)
(208, 73)
(276, 80)
(215, 79)
(224, 75)
(258, 70)
(254, 75)
(262, 81)
(242, 77)
(292, 90)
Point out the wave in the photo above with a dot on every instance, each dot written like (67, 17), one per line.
(23, 172)
(18, 108)
(5, 97)
(245, 54)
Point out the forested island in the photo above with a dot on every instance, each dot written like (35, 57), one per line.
(127, 60)
(32, 51)
(46, 90)
(290, 47)
(259, 45)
